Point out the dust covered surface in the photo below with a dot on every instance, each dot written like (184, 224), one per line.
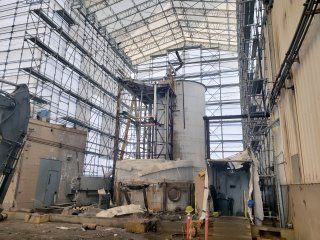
(17, 229)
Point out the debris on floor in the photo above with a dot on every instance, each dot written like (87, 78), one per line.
(63, 228)
(17, 229)
(141, 226)
(89, 226)
(87, 211)
(36, 218)
(118, 211)
(3, 216)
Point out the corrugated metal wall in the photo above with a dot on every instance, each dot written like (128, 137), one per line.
(306, 76)
(290, 134)
(299, 107)
(284, 18)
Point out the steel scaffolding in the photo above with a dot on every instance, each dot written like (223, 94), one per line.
(149, 27)
(72, 69)
(255, 95)
(75, 55)
(218, 71)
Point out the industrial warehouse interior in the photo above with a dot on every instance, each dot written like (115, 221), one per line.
(154, 119)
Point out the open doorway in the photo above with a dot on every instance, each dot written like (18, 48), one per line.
(229, 187)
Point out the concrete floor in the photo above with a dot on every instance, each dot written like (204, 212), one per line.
(231, 228)
(17, 229)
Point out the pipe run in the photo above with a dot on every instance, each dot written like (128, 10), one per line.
(251, 115)
(310, 9)
(180, 62)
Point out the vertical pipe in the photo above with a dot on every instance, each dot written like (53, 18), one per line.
(188, 227)
(167, 125)
(170, 119)
(207, 138)
(155, 101)
(149, 144)
(245, 204)
(126, 132)
(116, 142)
(153, 148)
(155, 88)
(138, 126)
(145, 199)
(164, 196)
(144, 133)
(126, 195)
(280, 202)
(136, 129)
(206, 231)
(183, 109)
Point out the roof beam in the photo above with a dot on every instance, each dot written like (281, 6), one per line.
(182, 44)
(213, 45)
(141, 59)
(101, 4)
(168, 22)
(209, 1)
(141, 38)
(177, 18)
(204, 24)
(180, 10)
(125, 32)
(201, 38)
(208, 12)
(112, 11)
(191, 61)
(223, 39)
(214, 35)
(151, 18)
(131, 11)
(144, 37)
(146, 26)
(190, 75)
(197, 23)
(213, 26)
(151, 46)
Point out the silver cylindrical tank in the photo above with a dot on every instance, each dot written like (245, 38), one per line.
(188, 123)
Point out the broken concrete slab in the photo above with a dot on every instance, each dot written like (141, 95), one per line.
(106, 222)
(118, 211)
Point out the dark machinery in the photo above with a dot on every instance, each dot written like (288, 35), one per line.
(14, 119)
